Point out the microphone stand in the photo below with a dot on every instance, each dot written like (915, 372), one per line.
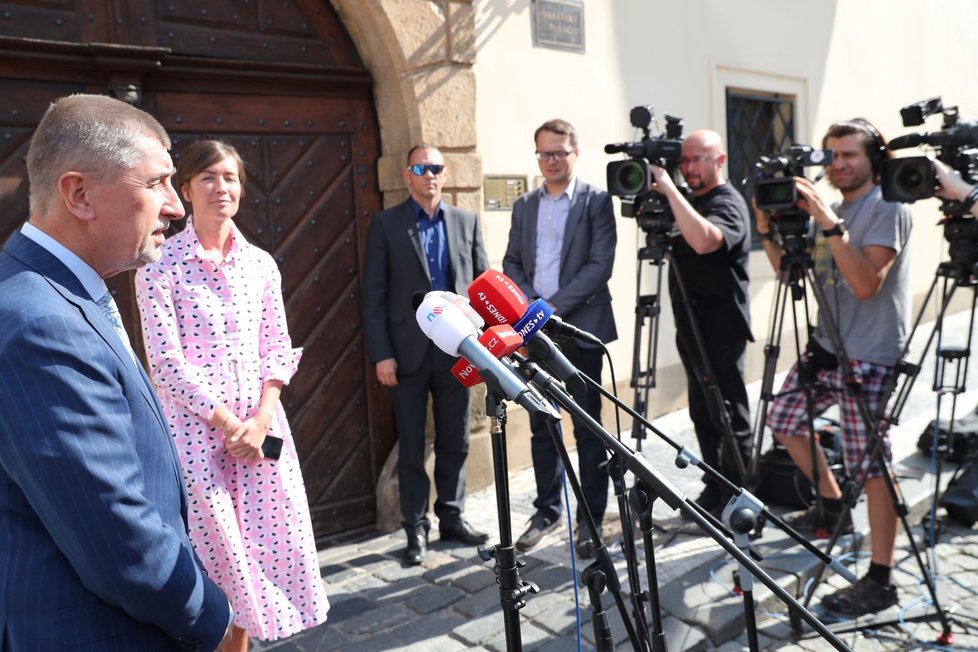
(602, 557)
(686, 457)
(512, 589)
(662, 487)
(596, 582)
(642, 498)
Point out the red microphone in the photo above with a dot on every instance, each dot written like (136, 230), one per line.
(497, 298)
(500, 340)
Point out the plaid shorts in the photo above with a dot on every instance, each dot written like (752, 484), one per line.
(788, 413)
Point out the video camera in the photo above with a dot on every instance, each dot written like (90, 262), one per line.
(631, 179)
(915, 177)
(775, 192)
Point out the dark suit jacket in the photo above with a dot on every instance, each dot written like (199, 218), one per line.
(93, 532)
(395, 268)
(587, 258)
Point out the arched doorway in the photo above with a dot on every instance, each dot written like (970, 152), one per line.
(284, 83)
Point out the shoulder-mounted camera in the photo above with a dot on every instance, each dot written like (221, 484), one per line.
(911, 178)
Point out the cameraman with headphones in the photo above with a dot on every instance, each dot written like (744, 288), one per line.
(862, 263)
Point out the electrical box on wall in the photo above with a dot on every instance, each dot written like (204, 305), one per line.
(501, 192)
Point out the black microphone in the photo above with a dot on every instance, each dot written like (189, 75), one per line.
(909, 140)
(416, 299)
(965, 133)
(530, 327)
(557, 326)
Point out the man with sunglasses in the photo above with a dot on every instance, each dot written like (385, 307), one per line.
(710, 243)
(562, 249)
(420, 245)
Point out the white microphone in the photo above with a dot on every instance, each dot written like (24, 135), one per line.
(446, 325)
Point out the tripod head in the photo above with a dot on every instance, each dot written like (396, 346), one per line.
(961, 234)
(657, 242)
(792, 225)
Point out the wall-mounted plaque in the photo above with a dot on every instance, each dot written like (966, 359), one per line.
(559, 24)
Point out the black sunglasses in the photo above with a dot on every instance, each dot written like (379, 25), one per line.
(419, 169)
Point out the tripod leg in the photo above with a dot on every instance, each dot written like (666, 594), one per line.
(772, 350)
(648, 307)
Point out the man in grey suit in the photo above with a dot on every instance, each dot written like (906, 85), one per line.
(562, 249)
(420, 245)
(94, 553)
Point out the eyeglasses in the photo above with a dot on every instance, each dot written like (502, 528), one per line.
(559, 155)
(420, 169)
(698, 160)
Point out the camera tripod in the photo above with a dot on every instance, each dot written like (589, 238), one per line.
(796, 276)
(648, 308)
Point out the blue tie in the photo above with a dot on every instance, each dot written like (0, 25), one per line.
(111, 312)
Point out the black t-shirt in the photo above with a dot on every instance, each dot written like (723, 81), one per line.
(716, 283)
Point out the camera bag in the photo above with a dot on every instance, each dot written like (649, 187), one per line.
(782, 483)
(961, 498)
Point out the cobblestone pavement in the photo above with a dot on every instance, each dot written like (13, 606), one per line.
(452, 602)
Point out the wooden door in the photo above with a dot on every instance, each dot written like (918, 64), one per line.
(283, 83)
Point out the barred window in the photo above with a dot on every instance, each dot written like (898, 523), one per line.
(757, 124)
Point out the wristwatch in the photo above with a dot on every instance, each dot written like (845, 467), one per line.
(838, 229)
(970, 199)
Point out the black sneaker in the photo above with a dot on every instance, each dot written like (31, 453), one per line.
(864, 597)
(811, 523)
(540, 526)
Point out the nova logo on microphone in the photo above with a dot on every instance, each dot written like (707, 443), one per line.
(435, 312)
(467, 371)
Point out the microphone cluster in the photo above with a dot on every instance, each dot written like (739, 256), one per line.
(453, 324)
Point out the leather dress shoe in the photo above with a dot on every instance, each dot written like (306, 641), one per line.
(417, 545)
(463, 533)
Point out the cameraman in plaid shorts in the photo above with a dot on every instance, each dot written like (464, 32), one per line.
(862, 263)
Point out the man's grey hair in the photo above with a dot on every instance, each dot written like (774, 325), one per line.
(92, 134)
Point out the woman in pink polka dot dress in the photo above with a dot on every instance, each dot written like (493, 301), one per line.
(219, 351)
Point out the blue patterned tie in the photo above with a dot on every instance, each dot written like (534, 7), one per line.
(111, 312)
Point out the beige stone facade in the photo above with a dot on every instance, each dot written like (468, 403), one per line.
(421, 53)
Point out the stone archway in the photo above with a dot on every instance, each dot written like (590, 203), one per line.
(420, 54)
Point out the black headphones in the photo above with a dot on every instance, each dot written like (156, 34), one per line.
(875, 147)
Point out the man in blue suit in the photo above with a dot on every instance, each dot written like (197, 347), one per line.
(562, 249)
(94, 553)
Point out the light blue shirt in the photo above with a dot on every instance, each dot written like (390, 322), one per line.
(551, 221)
(88, 277)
